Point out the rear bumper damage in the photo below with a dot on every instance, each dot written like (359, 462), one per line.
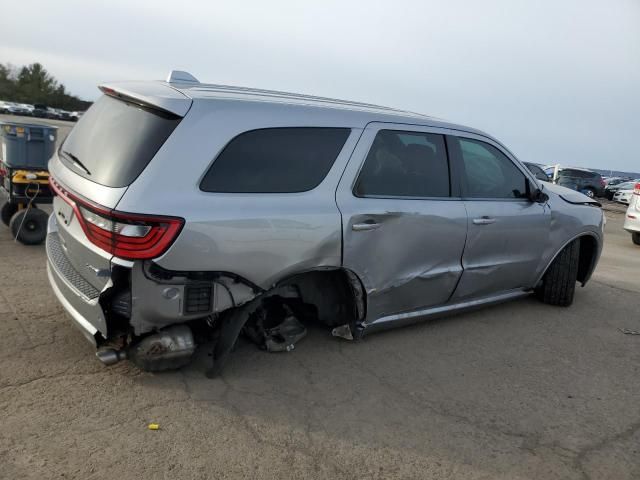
(146, 313)
(62, 292)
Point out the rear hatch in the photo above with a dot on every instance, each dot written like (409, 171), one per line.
(106, 151)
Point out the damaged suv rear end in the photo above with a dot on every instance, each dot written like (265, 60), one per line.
(146, 240)
(183, 207)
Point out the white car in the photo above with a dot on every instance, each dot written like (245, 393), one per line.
(624, 193)
(632, 217)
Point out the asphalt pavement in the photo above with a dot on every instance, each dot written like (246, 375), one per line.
(517, 391)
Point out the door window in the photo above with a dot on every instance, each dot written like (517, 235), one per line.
(405, 164)
(489, 173)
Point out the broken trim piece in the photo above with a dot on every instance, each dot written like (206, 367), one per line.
(231, 326)
(158, 274)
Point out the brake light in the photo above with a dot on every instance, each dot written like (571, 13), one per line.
(602, 182)
(125, 235)
(636, 189)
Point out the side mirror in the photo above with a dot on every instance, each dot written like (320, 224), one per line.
(536, 195)
(539, 196)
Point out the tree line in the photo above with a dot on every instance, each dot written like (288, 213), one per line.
(33, 84)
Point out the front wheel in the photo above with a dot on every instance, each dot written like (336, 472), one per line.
(559, 282)
(635, 237)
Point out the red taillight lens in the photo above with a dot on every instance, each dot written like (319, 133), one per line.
(636, 189)
(603, 183)
(125, 235)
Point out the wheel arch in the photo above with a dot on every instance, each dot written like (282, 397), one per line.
(589, 254)
(338, 293)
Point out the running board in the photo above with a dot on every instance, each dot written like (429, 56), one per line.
(408, 318)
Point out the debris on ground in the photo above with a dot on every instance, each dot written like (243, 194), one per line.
(628, 331)
(276, 327)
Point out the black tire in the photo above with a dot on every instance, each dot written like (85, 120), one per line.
(8, 209)
(635, 238)
(590, 192)
(559, 282)
(29, 226)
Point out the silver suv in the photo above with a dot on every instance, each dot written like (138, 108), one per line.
(183, 207)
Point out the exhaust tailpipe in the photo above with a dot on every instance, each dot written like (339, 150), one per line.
(111, 356)
(168, 349)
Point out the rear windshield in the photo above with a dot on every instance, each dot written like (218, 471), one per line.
(114, 141)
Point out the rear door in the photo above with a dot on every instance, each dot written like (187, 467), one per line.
(404, 224)
(507, 233)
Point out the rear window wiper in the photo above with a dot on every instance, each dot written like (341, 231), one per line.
(76, 161)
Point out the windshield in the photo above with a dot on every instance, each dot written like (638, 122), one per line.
(115, 140)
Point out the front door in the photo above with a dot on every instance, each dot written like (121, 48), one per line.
(507, 232)
(404, 227)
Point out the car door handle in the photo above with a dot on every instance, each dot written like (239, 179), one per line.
(484, 220)
(361, 227)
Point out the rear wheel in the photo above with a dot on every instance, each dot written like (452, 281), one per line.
(559, 282)
(29, 226)
(635, 236)
(590, 192)
(7, 211)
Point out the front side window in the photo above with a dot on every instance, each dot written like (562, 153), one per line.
(405, 164)
(489, 173)
(275, 160)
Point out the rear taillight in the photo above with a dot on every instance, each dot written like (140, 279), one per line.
(126, 235)
(603, 183)
(636, 189)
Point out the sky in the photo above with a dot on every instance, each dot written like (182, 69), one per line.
(557, 81)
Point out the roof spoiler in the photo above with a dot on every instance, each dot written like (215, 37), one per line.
(155, 95)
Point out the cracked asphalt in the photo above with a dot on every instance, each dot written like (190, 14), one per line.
(518, 391)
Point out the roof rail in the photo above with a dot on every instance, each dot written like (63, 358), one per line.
(179, 76)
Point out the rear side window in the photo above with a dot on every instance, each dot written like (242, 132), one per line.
(114, 141)
(275, 160)
(405, 164)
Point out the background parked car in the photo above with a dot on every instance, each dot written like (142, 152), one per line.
(625, 191)
(28, 108)
(632, 217)
(75, 116)
(586, 181)
(53, 113)
(17, 109)
(611, 181)
(64, 115)
(40, 110)
(611, 188)
(537, 171)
